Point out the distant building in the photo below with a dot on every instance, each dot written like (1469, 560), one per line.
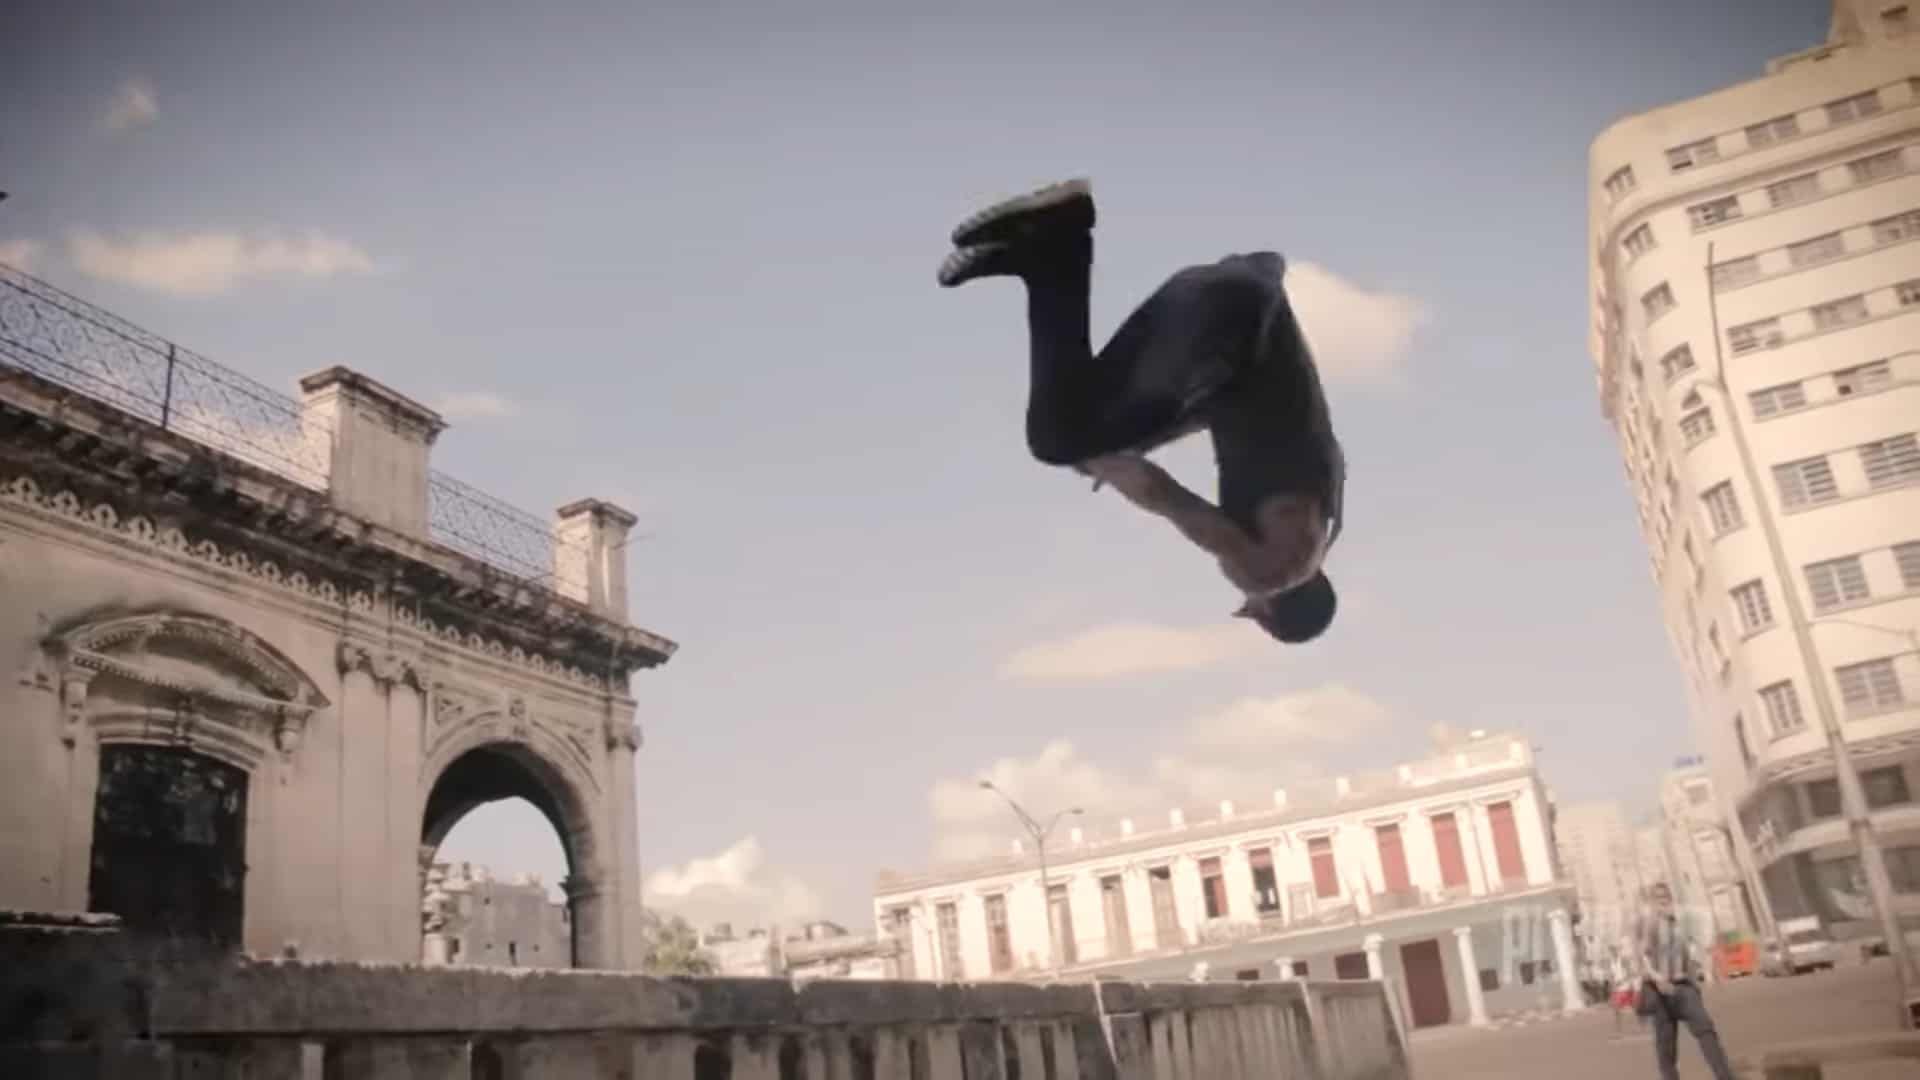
(1598, 853)
(1704, 874)
(1439, 874)
(815, 950)
(490, 923)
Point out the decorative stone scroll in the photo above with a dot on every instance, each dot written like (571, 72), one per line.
(387, 669)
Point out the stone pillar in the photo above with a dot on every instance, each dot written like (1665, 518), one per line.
(1470, 976)
(361, 867)
(590, 556)
(407, 719)
(1236, 866)
(623, 741)
(590, 930)
(1371, 943)
(1561, 925)
(377, 441)
(1285, 964)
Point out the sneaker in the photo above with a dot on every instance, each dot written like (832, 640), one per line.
(1062, 206)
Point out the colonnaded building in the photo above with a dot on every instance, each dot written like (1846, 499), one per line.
(1756, 341)
(1438, 876)
(260, 657)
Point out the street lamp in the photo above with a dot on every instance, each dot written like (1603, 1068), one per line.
(1853, 800)
(1039, 833)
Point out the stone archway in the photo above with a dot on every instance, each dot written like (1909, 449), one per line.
(498, 769)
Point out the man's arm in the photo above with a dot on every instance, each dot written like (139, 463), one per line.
(1154, 490)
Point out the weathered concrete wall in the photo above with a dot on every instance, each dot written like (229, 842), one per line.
(76, 1005)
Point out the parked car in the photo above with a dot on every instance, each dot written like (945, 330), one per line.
(1804, 945)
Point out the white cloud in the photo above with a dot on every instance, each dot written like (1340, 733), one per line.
(734, 886)
(1240, 752)
(132, 105)
(207, 263)
(1117, 650)
(18, 253)
(474, 405)
(1355, 333)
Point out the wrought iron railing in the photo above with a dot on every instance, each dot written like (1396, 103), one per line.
(66, 340)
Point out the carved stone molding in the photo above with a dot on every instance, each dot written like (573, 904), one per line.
(387, 669)
(73, 704)
(623, 737)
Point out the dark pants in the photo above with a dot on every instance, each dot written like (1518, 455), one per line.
(1164, 368)
(1684, 1006)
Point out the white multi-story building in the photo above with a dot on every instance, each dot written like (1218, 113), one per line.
(1706, 876)
(1438, 875)
(1597, 850)
(1757, 337)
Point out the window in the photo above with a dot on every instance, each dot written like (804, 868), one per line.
(1113, 906)
(1885, 786)
(1714, 212)
(947, 917)
(1870, 688)
(1446, 844)
(1857, 107)
(1907, 557)
(1736, 272)
(1696, 425)
(1060, 914)
(1892, 230)
(1506, 843)
(1213, 888)
(1783, 708)
(1723, 508)
(1266, 884)
(999, 936)
(1754, 335)
(1837, 313)
(1657, 301)
(1907, 292)
(1768, 132)
(1891, 462)
(1166, 917)
(1818, 249)
(1619, 182)
(1704, 152)
(1903, 866)
(1793, 190)
(1880, 166)
(1823, 799)
(1807, 482)
(1677, 362)
(1863, 379)
(1750, 602)
(1777, 399)
(900, 929)
(1835, 582)
(1393, 860)
(1639, 241)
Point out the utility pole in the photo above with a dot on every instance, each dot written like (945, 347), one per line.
(1853, 801)
(1039, 834)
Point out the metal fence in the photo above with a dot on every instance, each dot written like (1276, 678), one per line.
(66, 340)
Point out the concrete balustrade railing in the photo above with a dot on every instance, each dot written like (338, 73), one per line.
(77, 1005)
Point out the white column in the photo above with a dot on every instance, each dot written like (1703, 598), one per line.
(1285, 964)
(1470, 975)
(1562, 926)
(1372, 943)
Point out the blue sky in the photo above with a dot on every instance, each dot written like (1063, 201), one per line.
(683, 259)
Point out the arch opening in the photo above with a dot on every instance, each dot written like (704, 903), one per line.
(474, 913)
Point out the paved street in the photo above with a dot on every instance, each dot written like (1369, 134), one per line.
(1751, 1014)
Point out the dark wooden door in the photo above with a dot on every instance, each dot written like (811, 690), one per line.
(1426, 980)
(170, 843)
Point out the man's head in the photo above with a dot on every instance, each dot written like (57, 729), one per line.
(1298, 615)
(1661, 896)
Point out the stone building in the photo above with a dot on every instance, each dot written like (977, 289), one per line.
(477, 919)
(819, 949)
(1438, 875)
(260, 657)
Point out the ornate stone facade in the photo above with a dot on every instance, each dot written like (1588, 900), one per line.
(371, 683)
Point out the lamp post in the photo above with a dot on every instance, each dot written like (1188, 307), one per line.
(1039, 833)
(1853, 800)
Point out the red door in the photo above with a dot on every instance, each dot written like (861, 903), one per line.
(1506, 843)
(1446, 840)
(1326, 882)
(1426, 982)
(1393, 858)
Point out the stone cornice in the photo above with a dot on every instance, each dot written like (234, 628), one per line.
(387, 669)
(68, 446)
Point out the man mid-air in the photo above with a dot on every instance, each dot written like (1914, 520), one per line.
(1215, 347)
